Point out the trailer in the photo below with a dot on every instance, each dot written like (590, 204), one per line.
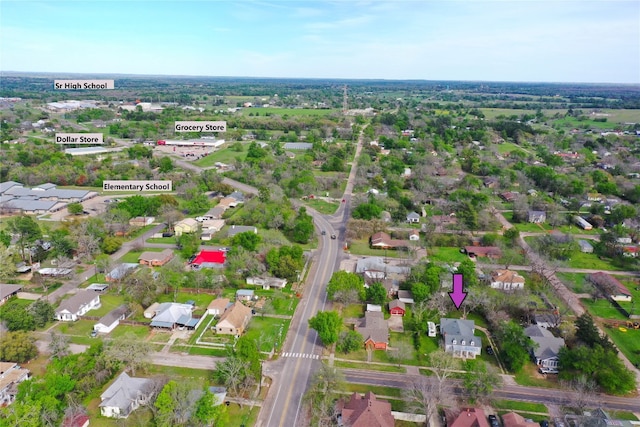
(192, 142)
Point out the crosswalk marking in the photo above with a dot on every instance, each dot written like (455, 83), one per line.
(301, 355)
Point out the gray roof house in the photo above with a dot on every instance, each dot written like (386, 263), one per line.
(413, 218)
(170, 314)
(545, 353)
(585, 247)
(237, 229)
(7, 291)
(112, 319)
(375, 330)
(124, 396)
(459, 338)
(80, 303)
(297, 146)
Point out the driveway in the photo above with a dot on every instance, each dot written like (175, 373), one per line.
(395, 324)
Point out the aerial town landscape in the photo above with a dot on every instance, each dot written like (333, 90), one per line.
(247, 251)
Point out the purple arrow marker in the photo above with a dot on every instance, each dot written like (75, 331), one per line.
(458, 295)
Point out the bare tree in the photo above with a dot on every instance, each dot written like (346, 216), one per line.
(584, 393)
(322, 394)
(402, 351)
(424, 395)
(58, 346)
(130, 351)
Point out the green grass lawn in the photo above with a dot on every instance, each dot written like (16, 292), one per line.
(574, 281)
(322, 206)
(516, 405)
(353, 310)
(591, 261)
(226, 155)
(529, 377)
(141, 332)
(628, 342)
(108, 302)
(445, 254)
(274, 111)
(268, 330)
(369, 366)
(602, 308)
(378, 390)
(80, 328)
(361, 247)
(202, 300)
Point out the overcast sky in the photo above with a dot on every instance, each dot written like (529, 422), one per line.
(510, 40)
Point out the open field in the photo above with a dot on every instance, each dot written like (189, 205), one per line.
(602, 308)
(322, 206)
(628, 342)
(361, 247)
(274, 111)
(446, 255)
(225, 155)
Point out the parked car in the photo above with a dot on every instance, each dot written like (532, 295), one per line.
(94, 333)
(323, 232)
(333, 236)
(493, 420)
(489, 350)
(544, 423)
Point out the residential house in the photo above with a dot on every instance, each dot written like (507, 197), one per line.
(364, 411)
(397, 308)
(536, 217)
(8, 291)
(155, 259)
(483, 251)
(120, 271)
(459, 338)
(218, 306)
(267, 282)
(414, 235)
(237, 196)
(212, 225)
(630, 251)
(170, 315)
(511, 419)
(112, 319)
(244, 294)
(382, 240)
(375, 330)
(76, 420)
(215, 212)
(582, 223)
(405, 297)
(506, 280)
(141, 221)
(234, 320)
(79, 304)
(228, 202)
(508, 196)
(585, 247)
(467, 417)
(413, 218)
(374, 307)
(546, 349)
(297, 146)
(125, 395)
(237, 229)
(185, 226)
(610, 286)
(491, 182)
(546, 320)
(10, 376)
(209, 259)
(219, 395)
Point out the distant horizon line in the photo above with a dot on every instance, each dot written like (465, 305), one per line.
(370, 79)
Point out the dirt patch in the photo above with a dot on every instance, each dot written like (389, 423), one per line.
(395, 324)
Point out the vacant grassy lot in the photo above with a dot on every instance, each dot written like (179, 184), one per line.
(267, 331)
(517, 405)
(141, 332)
(529, 376)
(445, 254)
(226, 155)
(274, 111)
(322, 206)
(628, 342)
(602, 308)
(80, 328)
(575, 281)
(369, 366)
(592, 261)
(108, 302)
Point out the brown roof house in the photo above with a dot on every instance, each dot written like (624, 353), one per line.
(155, 258)
(10, 376)
(610, 286)
(218, 306)
(382, 240)
(364, 411)
(506, 280)
(79, 304)
(469, 417)
(234, 320)
(375, 330)
(511, 419)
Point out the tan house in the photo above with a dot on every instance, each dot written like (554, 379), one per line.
(506, 280)
(187, 225)
(218, 306)
(155, 258)
(141, 221)
(234, 320)
(511, 419)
